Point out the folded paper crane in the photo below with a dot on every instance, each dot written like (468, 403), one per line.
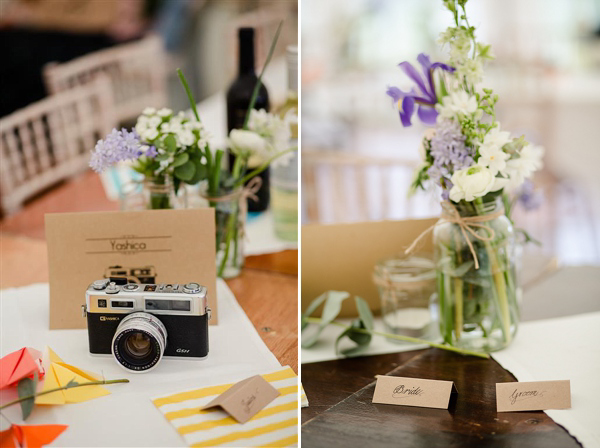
(60, 374)
(18, 436)
(18, 365)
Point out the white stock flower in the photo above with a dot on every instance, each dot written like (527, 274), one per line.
(274, 129)
(154, 121)
(491, 154)
(164, 112)
(456, 103)
(246, 143)
(472, 70)
(149, 134)
(149, 111)
(520, 168)
(186, 138)
(474, 182)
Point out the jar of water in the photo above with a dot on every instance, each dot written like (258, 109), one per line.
(406, 288)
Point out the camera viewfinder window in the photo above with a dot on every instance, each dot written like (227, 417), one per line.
(181, 305)
(121, 304)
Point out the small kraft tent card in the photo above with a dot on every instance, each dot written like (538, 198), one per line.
(413, 392)
(154, 246)
(533, 396)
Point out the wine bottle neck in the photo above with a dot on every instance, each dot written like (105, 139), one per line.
(246, 62)
(292, 68)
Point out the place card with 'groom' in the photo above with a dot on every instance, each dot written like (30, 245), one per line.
(533, 396)
(413, 392)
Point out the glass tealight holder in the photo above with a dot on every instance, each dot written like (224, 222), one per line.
(406, 288)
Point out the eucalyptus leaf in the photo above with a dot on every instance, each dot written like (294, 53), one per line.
(186, 171)
(331, 309)
(72, 383)
(170, 143)
(364, 312)
(311, 309)
(361, 339)
(180, 159)
(26, 387)
(201, 172)
(161, 157)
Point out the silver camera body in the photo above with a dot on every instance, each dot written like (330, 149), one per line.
(140, 323)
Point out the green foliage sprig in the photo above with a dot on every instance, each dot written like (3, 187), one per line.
(361, 330)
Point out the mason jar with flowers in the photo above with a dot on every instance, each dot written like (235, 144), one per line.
(478, 168)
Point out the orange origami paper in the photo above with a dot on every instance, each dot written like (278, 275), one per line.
(30, 436)
(18, 365)
(59, 374)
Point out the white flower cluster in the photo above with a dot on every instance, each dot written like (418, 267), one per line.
(498, 166)
(458, 103)
(153, 126)
(267, 136)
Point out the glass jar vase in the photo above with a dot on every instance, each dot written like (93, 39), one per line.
(155, 193)
(477, 297)
(230, 221)
(406, 285)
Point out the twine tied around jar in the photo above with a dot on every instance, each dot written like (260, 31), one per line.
(466, 224)
(248, 192)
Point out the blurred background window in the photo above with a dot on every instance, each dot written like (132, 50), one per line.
(357, 158)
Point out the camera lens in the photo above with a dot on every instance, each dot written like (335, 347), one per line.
(139, 342)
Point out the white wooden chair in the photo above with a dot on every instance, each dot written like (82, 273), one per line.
(51, 140)
(339, 186)
(137, 72)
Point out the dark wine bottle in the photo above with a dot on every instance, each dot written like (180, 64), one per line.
(238, 100)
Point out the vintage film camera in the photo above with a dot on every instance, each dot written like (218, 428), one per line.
(123, 275)
(139, 324)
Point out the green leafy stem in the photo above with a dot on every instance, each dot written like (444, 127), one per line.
(29, 398)
(315, 320)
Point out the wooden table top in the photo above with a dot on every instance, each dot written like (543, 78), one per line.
(267, 290)
(341, 413)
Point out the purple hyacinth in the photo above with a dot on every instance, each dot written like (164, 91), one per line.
(151, 152)
(449, 154)
(528, 196)
(116, 147)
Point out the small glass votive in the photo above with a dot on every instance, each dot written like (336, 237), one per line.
(406, 286)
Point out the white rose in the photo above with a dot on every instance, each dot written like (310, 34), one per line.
(246, 143)
(473, 182)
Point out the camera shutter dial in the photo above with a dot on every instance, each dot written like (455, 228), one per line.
(191, 288)
(112, 288)
(100, 284)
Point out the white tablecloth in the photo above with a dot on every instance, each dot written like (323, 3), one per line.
(566, 348)
(127, 417)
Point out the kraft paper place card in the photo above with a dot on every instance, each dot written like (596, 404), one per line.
(533, 396)
(153, 246)
(245, 399)
(413, 392)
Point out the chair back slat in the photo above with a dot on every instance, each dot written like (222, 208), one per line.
(137, 72)
(51, 140)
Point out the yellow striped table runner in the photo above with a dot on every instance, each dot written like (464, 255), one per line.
(274, 426)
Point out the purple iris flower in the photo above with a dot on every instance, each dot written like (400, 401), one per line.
(426, 97)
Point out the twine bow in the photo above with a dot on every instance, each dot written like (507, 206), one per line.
(466, 223)
(248, 192)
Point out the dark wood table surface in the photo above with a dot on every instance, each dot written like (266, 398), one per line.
(341, 413)
(267, 289)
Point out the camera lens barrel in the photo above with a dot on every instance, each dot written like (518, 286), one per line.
(139, 342)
